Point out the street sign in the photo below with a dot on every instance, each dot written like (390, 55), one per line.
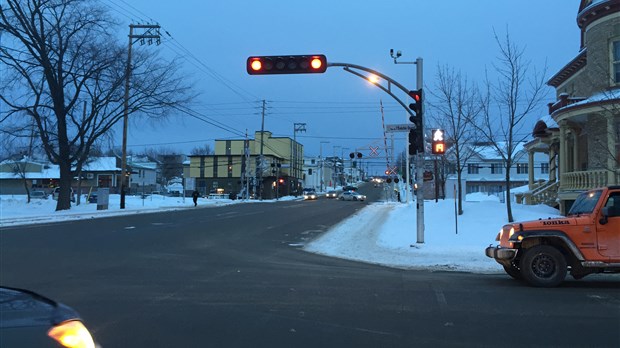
(399, 128)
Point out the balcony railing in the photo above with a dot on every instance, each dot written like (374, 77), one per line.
(546, 193)
(587, 180)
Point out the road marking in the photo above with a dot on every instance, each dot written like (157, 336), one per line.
(441, 299)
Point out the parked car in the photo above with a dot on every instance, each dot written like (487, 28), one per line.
(310, 194)
(38, 195)
(56, 193)
(352, 196)
(92, 198)
(30, 320)
(331, 194)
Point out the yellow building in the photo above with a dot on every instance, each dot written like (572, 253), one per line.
(233, 170)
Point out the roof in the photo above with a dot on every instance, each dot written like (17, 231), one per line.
(489, 152)
(101, 164)
(601, 98)
(53, 172)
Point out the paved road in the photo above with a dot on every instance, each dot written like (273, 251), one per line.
(236, 277)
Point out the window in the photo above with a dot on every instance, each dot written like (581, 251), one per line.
(472, 188)
(615, 69)
(544, 168)
(522, 168)
(496, 168)
(472, 169)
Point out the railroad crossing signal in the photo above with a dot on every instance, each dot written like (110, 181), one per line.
(300, 64)
(438, 142)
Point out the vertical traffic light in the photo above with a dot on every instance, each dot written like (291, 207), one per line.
(416, 136)
(416, 101)
(301, 64)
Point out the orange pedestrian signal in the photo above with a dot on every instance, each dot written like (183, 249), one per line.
(301, 64)
(438, 144)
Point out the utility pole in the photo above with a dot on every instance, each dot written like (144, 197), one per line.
(321, 159)
(297, 127)
(151, 32)
(262, 147)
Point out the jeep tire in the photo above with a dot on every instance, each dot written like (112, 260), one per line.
(543, 266)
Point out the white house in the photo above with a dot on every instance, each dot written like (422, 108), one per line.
(485, 170)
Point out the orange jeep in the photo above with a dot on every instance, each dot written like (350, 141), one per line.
(586, 241)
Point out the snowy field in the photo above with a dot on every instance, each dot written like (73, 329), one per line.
(382, 233)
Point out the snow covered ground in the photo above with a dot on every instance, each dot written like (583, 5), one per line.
(382, 233)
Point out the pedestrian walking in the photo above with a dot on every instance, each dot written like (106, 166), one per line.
(195, 196)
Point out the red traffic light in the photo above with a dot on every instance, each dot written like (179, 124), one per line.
(416, 96)
(301, 64)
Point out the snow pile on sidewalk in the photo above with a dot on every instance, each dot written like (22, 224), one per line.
(385, 234)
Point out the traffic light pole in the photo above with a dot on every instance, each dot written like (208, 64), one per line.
(420, 163)
(420, 157)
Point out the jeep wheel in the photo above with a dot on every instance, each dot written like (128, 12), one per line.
(513, 271)
(543, 266)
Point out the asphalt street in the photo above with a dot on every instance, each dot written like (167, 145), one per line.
(236, 276)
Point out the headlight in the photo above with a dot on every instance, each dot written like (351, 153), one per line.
(72, 334)
(512, 231)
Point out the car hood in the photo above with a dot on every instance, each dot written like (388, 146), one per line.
(23, 308)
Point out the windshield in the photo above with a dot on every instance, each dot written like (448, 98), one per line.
(585, 203)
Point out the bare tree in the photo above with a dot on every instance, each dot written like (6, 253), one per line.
(202, 150)
(516, 94)
(68, 72)
(456, 109)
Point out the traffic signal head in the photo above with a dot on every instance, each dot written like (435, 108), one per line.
(302, 64)
(416, 101)
(416, 141)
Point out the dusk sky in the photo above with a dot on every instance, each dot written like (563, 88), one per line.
(216, 37)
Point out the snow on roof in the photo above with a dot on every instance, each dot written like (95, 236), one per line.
(549, 121)
(52, 172)
(592, 4)
(612, 95)
(101, 164)
(489, 152)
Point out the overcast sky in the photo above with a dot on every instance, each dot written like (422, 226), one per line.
(216, 37)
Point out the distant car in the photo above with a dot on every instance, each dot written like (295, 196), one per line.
(351, 196)
(38, 195)
(349, 188)
(310, 195)
(92, 198)
(331, 194)
(30, 320)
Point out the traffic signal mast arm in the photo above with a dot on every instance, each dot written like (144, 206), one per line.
(348, 68)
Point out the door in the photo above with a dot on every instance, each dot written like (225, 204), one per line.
(608, 235)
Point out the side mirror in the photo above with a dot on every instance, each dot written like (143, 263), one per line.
(605, 215)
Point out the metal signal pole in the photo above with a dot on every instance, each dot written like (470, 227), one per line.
(420, 161)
